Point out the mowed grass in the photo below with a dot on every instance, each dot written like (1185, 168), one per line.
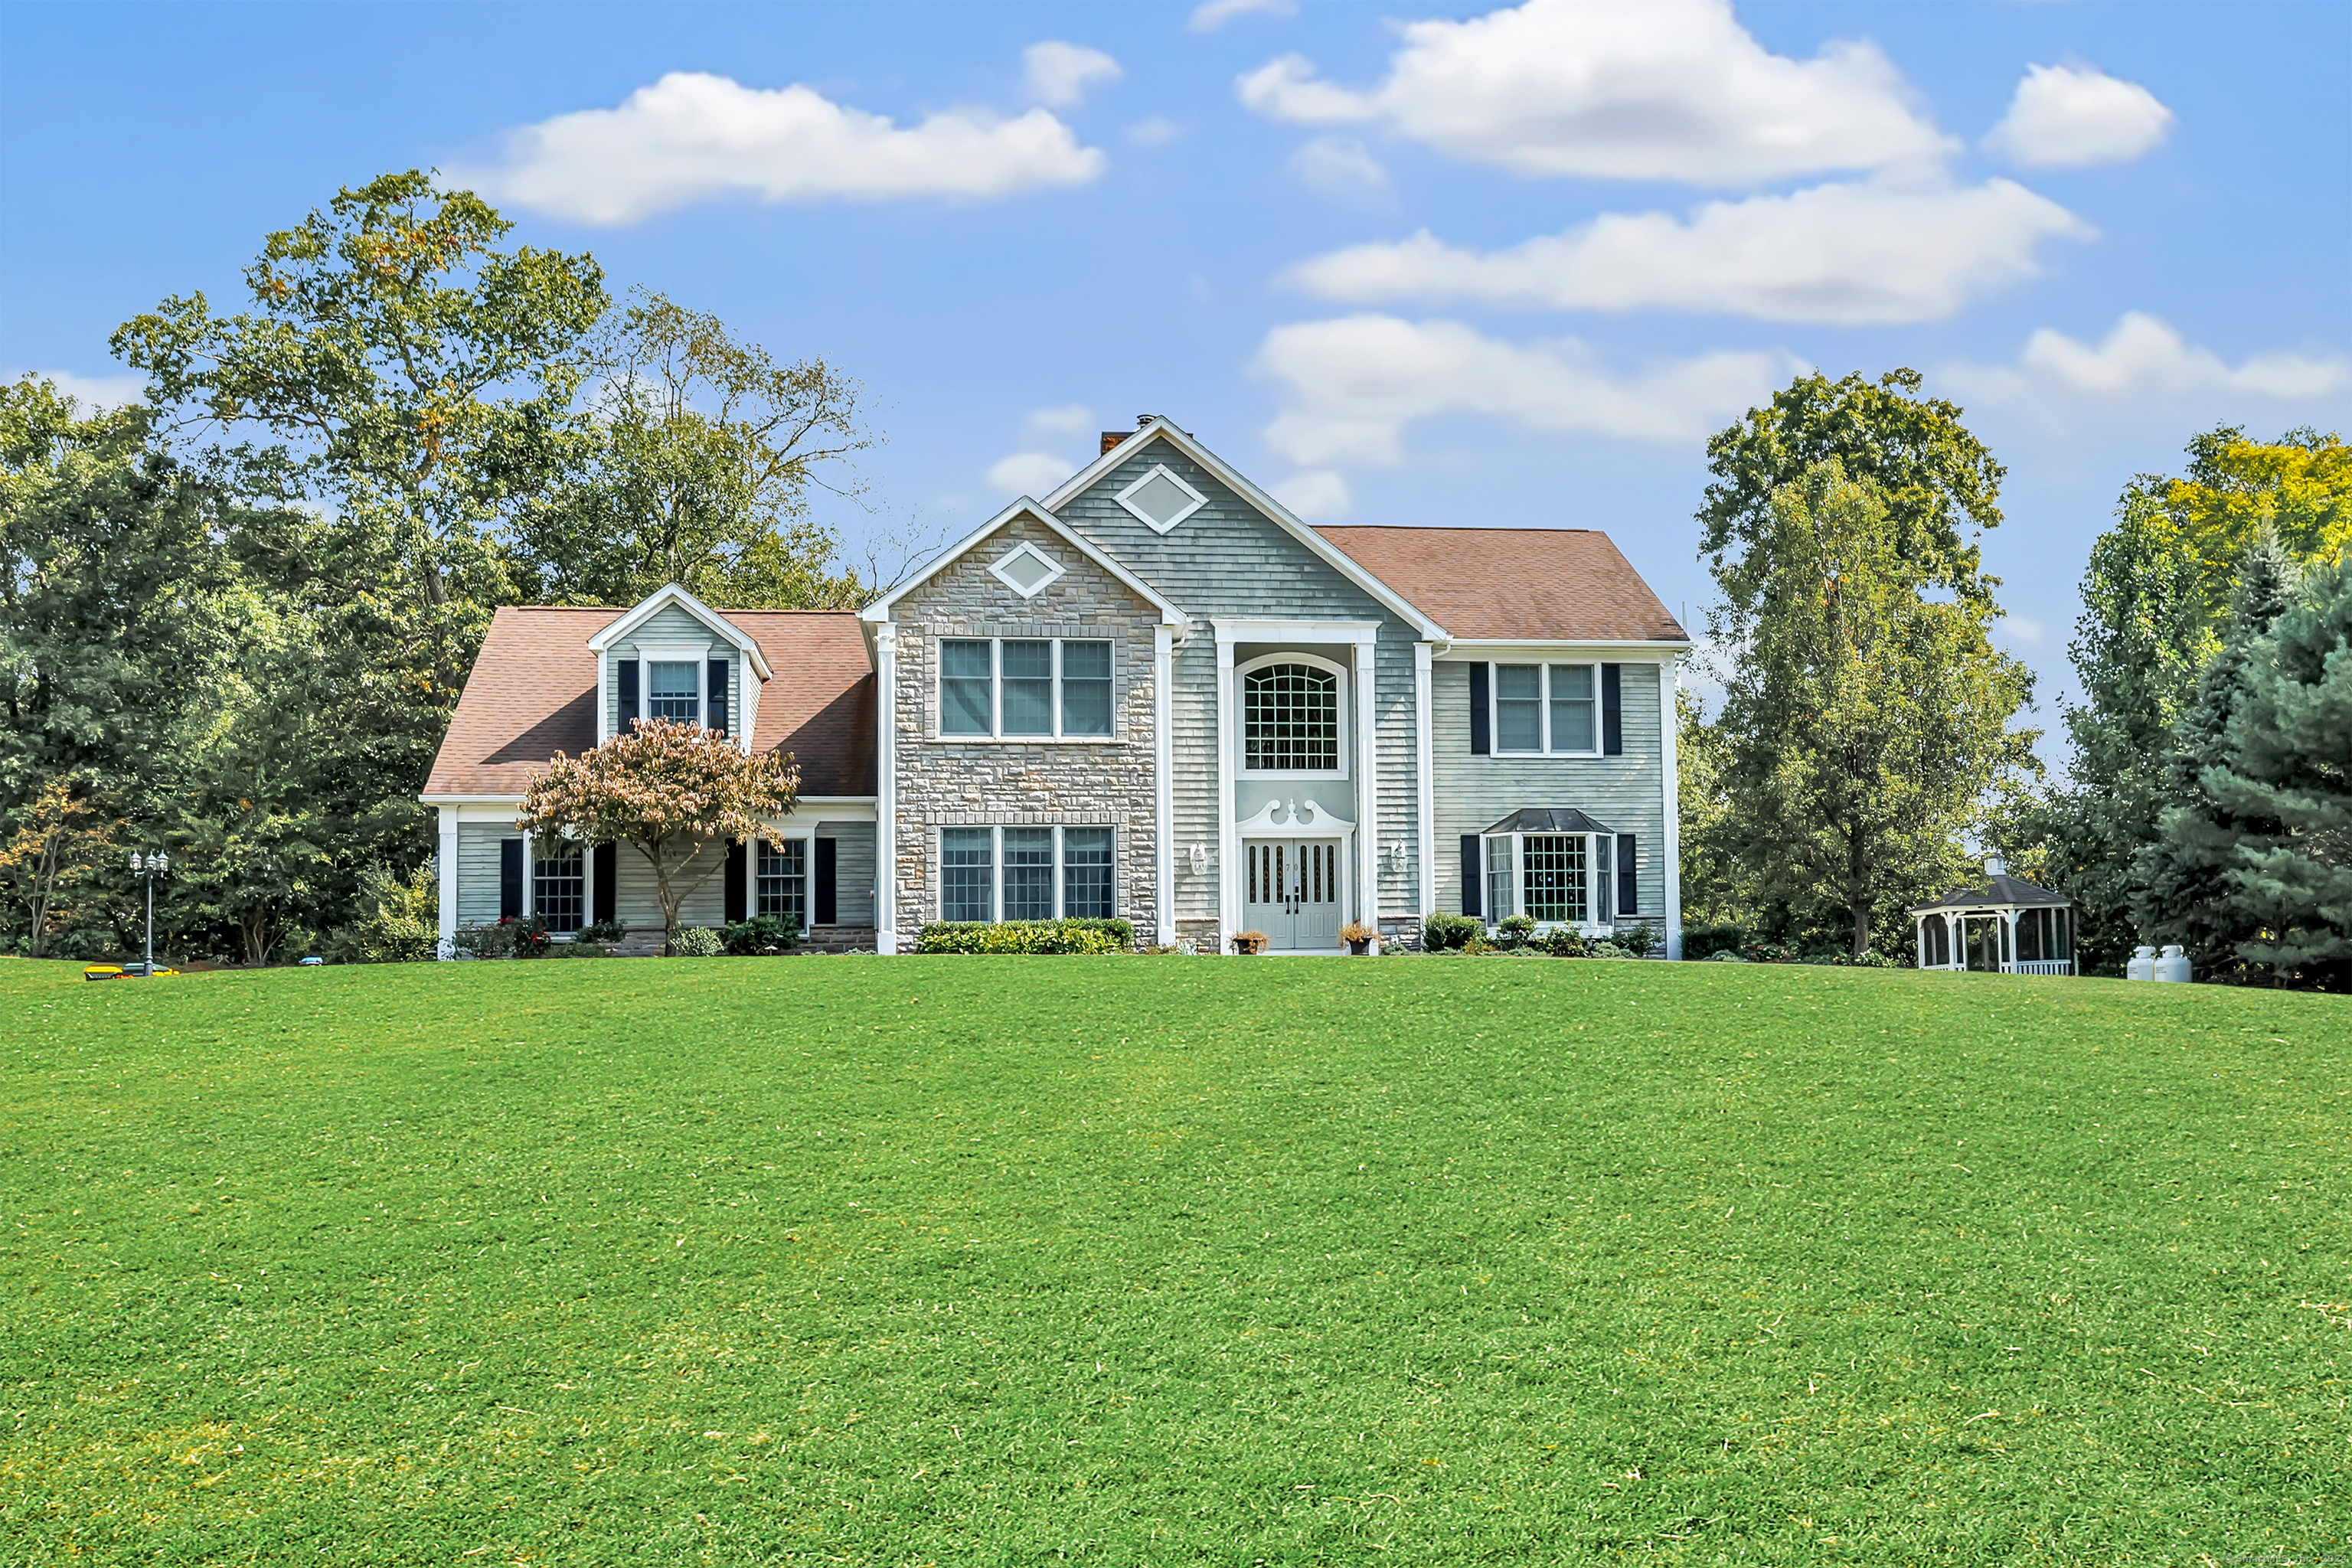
(1154, 1261)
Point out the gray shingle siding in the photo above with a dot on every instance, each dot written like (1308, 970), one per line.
(1474, 792)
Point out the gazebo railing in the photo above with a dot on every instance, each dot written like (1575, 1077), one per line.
(2040, 966)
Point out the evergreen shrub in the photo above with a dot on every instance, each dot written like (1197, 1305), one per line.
(1027, 936)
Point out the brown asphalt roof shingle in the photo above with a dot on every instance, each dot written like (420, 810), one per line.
(532, 694)
(1510, 583)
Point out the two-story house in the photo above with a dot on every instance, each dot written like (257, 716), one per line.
(1156, 694)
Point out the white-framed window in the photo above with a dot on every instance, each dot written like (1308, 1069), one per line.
(1027, 873)
(1025, 689)
(674, 689)
(1547, 709)
(1294, 716)
(779, 885)
(558, 891)
(1026, 570)
(1161, 499)
(1556, 878)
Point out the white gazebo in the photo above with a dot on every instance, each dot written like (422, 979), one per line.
(2002, 926)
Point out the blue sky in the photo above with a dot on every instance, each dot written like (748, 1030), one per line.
(1422, 263)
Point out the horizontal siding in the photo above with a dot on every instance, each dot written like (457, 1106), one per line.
(1397, 770)
(1193, 753)
(639, 903)
(1625, 792)
(853, 871)
(478, 870)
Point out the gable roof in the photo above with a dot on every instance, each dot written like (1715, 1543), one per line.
(670, 593)
(1170, 613)
(1159, 429)
(1997, 889)
(1512, 584)
(533, 694)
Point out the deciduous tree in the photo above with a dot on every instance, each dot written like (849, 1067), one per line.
(695, 465)
(1865, 726)
(667, 790)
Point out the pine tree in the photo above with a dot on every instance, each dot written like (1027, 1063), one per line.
(2184, 889)
(2290, 761)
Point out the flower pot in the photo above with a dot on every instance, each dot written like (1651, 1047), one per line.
(1360, 945)
(1249, 946)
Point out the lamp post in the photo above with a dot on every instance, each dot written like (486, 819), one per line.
(151, 864)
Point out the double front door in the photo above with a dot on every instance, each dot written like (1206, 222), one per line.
(1293, 893)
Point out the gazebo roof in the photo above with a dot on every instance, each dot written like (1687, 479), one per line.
(1548, 819)
(1997, 891)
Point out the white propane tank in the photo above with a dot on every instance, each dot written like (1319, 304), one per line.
(2141, 966)
(2173, 966)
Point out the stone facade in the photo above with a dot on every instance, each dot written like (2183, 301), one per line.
(957, 783)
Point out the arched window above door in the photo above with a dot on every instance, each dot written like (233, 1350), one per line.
(1290, 717)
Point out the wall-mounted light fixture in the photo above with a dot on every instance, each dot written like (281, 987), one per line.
(1200, 859)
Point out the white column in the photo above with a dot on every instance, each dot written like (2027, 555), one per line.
(1424, 776)
(1368, 793)
(885, 789)
(1163, 742)
(448, 867)
(529, 879)
(1229, 912)
(1670, 684)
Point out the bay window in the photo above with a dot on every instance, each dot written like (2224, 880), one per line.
(1025, 689)
(1557, 867)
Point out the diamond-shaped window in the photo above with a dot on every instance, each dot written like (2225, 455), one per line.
(1025, 569)
(1161, 500)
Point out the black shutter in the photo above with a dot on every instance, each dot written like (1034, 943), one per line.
(627, 712)
(826, 906)
(1628, 901)
(737, 892)
(606, 861)
(717, 707)
(1473, 871)
(509, 879)
(1613, 712)
(1478, 745)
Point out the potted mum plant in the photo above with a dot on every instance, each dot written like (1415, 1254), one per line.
(1359, 937)
(1247, 943)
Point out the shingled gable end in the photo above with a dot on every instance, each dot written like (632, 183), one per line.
(1155, 694)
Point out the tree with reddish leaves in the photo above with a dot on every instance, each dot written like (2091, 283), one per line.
(668, 791)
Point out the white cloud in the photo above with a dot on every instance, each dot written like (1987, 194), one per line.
(2144, 358)
(1212, 15)
(1058, 75)
(1351, 386)
(1154, 131)
(1668, 90)
(2066, 117)
(691, 136)
(1853, 254)
(1315, 495)
(92, 392)
(1340, 167)
(1029, 473)
(1063, 419)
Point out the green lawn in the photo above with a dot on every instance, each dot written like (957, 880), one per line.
(1181, 1260)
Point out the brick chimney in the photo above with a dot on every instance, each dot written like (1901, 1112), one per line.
(1113, 438)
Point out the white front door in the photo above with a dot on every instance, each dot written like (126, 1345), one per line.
(1292, 893)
